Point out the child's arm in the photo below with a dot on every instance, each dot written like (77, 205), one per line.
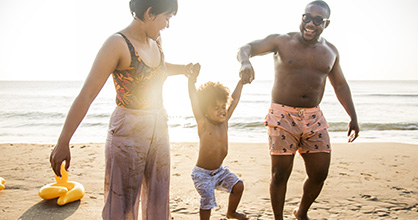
(193, 94)
(236, 95)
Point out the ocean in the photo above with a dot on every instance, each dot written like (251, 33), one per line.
(34, 111)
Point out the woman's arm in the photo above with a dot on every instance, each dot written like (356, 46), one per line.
(177, 69)
(106, 62)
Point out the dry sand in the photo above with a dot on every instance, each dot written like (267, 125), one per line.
(366, 181)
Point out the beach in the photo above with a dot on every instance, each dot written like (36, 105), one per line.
(366, 181)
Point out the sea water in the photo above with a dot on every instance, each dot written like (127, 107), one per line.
(35, 111)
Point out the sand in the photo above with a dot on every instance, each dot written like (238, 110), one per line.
(366, 181)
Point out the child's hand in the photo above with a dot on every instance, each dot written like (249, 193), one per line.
(246, 73)
(195, 69)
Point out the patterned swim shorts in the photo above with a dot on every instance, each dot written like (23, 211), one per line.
(293, 129)
(206, 181)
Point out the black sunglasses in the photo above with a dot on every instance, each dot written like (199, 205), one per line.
(318, 20)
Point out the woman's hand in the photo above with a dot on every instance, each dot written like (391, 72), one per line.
(60, 153)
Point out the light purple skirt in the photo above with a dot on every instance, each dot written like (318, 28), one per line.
(137, 165)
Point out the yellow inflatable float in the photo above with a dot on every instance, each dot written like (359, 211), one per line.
(2, 181)
(67, 191)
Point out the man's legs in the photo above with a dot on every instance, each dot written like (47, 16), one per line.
(316, 165)
(281, 168)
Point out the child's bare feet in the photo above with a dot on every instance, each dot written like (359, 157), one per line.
(299, 216)
(236, 215)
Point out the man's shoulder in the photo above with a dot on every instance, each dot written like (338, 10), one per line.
(328, 44)
(284, 36)
(281, 37)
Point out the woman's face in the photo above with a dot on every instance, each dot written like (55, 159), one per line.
(157, 24)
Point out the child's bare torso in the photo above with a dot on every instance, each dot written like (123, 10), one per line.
(213, 146)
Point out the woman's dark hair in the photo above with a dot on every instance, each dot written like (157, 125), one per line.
(138, 7)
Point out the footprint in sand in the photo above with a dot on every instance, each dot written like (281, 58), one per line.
(367, 176)
(368, 197)
(403, 190)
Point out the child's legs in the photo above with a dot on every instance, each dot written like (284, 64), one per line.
(156, 183)
(235, 197)
(204, 214)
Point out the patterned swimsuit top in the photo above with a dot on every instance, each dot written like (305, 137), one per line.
(140, 86)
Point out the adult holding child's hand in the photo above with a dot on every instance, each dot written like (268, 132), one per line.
(303, 62)
(193, 71)
(246, 72)
(137, 150)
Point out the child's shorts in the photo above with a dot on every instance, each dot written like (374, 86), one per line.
(205, 182)
(292, 129)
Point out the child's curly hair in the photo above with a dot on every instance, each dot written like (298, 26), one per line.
(211, 92)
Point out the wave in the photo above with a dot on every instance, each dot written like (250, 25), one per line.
(342, 126)
(390, 126)
(249, 125)
(32, 115)
(389, 95)
(267, 101)
(333, 126)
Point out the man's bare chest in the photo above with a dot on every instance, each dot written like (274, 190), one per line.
(313, 59)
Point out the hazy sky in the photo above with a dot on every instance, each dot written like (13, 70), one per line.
(58, 40)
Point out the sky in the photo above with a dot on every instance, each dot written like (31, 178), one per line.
(58, 40)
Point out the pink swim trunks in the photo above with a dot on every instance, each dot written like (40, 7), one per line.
(292, 129)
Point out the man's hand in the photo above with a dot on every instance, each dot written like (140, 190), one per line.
(246, 73)
(353, 131)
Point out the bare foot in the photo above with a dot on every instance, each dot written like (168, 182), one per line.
(236, 215)
(299, 216)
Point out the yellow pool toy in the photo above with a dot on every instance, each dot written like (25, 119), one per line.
(67, 191)
(2, 181)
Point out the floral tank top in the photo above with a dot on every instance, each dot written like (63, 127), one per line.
(140, 86)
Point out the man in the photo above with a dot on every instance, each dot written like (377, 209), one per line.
(302, 61)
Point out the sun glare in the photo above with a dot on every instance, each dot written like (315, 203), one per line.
(176, 96)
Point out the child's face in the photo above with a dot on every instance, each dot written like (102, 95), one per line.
(217, 112)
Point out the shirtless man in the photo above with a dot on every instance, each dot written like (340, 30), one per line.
(302, 61)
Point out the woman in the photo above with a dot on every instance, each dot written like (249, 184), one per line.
(137, 146)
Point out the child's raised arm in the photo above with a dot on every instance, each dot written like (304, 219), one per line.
(236, 95)
(193, 94)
